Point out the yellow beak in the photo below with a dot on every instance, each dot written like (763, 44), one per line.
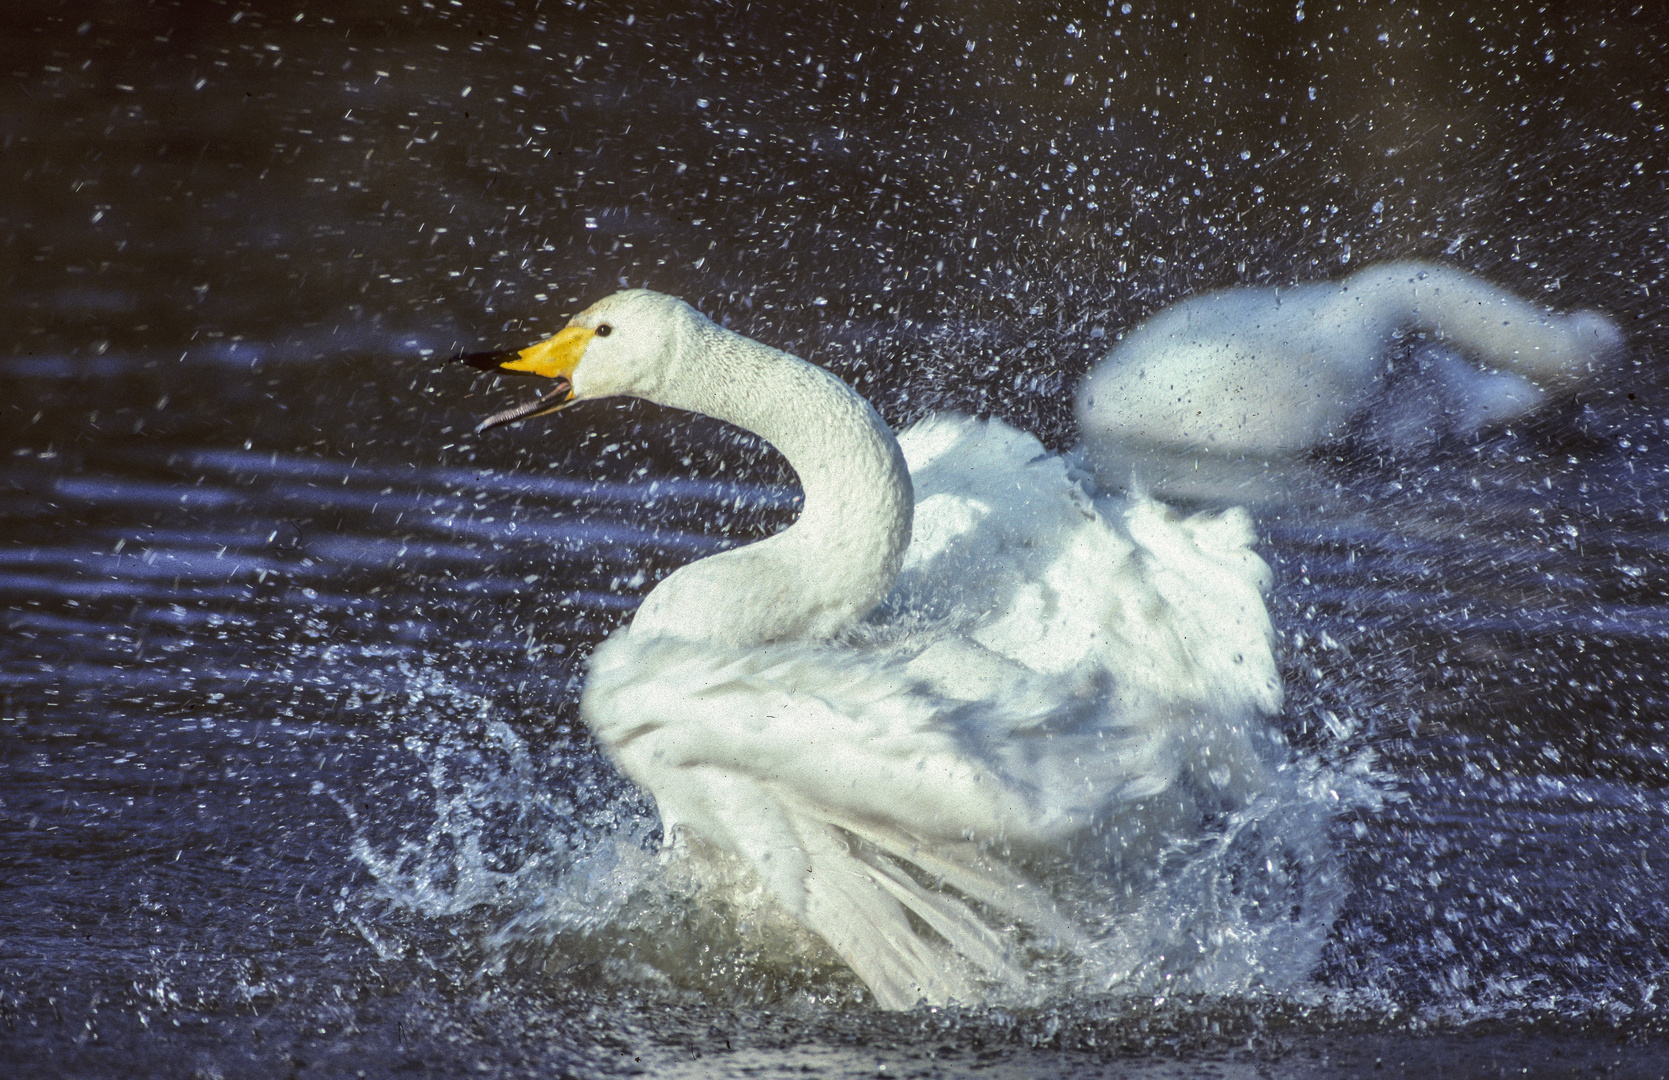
(554, 358)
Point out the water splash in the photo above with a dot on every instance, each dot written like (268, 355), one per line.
(547, 861)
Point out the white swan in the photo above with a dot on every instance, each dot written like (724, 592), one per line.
(921, 746)
(1236, 383)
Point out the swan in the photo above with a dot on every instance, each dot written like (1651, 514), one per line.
(951, 699)
(1226, 387)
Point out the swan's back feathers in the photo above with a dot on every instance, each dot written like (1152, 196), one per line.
(1012, 550)
(1042, 666)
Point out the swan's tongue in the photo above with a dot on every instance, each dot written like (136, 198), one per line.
(550, 401)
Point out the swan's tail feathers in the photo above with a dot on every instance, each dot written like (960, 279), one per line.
(915, 922)
(861, 908)
(969, 870)
(975, 907)
(948, 917)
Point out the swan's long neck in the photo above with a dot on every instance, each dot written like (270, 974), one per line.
(843, 554)
(1487, 324)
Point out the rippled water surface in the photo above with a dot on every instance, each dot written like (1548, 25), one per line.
(292, 780)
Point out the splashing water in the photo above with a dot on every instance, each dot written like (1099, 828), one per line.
(554, 863)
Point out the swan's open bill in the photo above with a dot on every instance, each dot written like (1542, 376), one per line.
(950, 701)
(553, 358)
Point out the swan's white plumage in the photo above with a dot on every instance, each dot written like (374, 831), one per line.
(909, 786)
(1258, 376)
(1010, 544)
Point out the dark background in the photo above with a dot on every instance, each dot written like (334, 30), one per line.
(257, 577)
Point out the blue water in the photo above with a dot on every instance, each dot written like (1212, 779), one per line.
(292, 776)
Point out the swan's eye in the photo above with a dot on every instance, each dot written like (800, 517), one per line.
(604, 329)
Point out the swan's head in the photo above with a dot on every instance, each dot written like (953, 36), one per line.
(621, 345)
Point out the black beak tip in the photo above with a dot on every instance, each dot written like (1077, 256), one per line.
(484, 361)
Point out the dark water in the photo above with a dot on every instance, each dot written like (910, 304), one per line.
(292, 781)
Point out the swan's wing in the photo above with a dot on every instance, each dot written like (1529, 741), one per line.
(864, 803)
(857, 735)
(1010, 547)
(1169, 609)
(1200, 588)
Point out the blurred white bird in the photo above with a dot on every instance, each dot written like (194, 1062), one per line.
(1222, 394)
